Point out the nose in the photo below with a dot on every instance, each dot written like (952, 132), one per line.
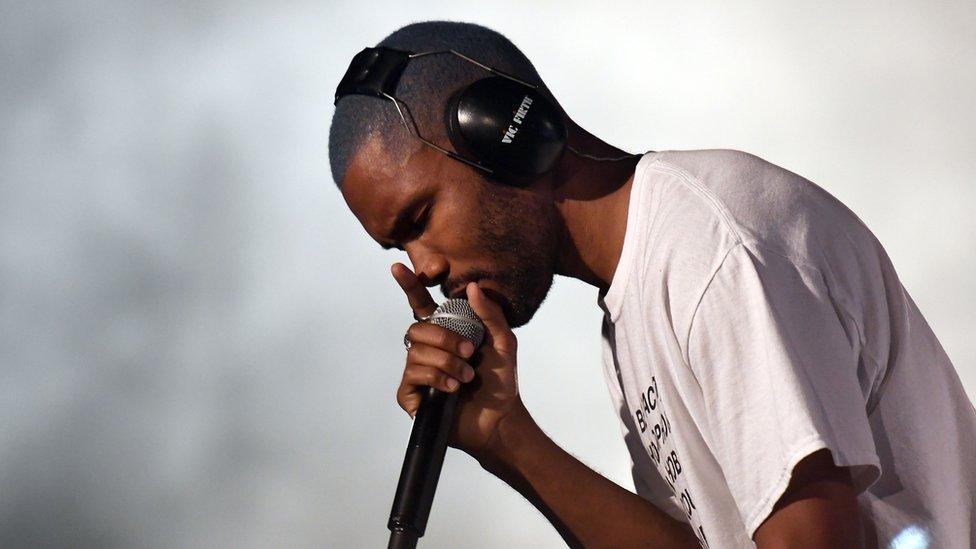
(431, 267)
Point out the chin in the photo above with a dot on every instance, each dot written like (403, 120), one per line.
(501, 300)
(517, 313)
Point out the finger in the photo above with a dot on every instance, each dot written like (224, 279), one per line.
(417, 295)
(493, 318)
(409, 398)
(424, 355)
(416, 378)
(441, 338)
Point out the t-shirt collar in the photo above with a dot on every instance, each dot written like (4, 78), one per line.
(612, 300)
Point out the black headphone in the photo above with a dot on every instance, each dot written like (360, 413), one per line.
(504, 125)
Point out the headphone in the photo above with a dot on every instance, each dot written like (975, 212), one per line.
(500, 125)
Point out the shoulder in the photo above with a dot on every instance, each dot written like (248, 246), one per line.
(752, 196)
(705, 160)
(744, 185)
(764, 203)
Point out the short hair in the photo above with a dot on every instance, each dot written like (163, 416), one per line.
(425, 86)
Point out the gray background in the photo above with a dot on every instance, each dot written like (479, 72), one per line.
(199, 344)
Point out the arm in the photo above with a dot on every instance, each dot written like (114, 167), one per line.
(587, 509)
(493, 426)
(818, 508)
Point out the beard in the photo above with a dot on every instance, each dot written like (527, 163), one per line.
(517, 233)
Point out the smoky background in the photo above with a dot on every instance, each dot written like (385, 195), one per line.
(199, 345)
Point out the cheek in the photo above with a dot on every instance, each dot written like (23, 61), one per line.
(488, 228)
(460, 221)
(455, 232)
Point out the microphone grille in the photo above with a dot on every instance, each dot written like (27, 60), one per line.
(457, 316)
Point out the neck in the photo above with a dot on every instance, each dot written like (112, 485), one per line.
(592, 198)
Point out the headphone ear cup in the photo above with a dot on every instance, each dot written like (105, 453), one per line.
(454, 126)
(509, 127)
(456, 136)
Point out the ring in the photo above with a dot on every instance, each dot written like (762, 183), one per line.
(406, 335)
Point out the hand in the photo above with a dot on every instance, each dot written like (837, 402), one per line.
(439, 358)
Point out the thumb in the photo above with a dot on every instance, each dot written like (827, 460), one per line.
(493, 318)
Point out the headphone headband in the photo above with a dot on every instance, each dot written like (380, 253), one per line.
(373, 71)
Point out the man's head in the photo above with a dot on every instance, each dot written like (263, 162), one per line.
(454, 224)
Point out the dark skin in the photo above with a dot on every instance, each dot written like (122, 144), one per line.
(583, 205)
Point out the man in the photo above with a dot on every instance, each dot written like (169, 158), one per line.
(776, 384)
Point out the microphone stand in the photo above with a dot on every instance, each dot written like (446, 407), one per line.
(421, 468)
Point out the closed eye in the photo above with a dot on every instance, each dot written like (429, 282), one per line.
(421, 223)
(414, 230)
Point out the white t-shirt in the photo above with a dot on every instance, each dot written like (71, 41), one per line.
(752, 320)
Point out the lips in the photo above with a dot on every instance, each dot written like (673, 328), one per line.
(460, 294)
(460, 291)
(490, 292)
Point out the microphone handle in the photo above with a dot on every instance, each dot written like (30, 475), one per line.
(421, 467)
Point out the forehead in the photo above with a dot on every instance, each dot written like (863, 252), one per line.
(377, 186)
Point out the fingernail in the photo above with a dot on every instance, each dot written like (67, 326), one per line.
(466, 348)
(468, 373)
(452, 383)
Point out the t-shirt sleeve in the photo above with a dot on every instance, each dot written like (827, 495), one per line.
(777, 359)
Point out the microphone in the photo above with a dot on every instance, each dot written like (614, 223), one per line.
(428, 439)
